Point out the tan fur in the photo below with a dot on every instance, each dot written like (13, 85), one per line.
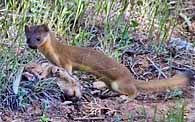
(157, 85)
(67, 83)
(115, 75)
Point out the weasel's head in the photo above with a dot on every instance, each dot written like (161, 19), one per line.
(37, 35)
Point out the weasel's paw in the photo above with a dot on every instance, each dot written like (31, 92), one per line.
(70, 89)
(73, 92)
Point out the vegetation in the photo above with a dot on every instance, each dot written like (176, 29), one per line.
(106, 25)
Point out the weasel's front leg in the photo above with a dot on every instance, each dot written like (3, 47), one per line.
(68, 83)
(70, 88)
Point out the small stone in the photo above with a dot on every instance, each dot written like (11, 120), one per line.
(67, 103)
(99, 85)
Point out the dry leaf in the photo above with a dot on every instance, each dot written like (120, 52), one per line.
(17, 80)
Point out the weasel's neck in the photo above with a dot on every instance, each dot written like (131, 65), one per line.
(50, 43)
(49, 48)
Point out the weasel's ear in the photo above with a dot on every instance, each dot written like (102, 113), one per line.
(44, 28)
(26, 29)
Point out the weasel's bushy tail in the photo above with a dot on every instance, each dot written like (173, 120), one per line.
(180, 80)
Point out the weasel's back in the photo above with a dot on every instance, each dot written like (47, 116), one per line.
(99, 62)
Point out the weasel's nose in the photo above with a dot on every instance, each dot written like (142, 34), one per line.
(32, 46)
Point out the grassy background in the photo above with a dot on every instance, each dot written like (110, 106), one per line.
(106, 25)
(80, 22)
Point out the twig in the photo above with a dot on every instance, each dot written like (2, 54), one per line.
(159, 70)
(132, 69)
(186, 19)
(88, 118)
(183, 67)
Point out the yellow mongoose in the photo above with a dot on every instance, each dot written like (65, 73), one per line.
(115, 75)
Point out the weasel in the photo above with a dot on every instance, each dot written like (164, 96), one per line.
(116, 76)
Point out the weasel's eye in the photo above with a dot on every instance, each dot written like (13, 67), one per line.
(38, 39)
